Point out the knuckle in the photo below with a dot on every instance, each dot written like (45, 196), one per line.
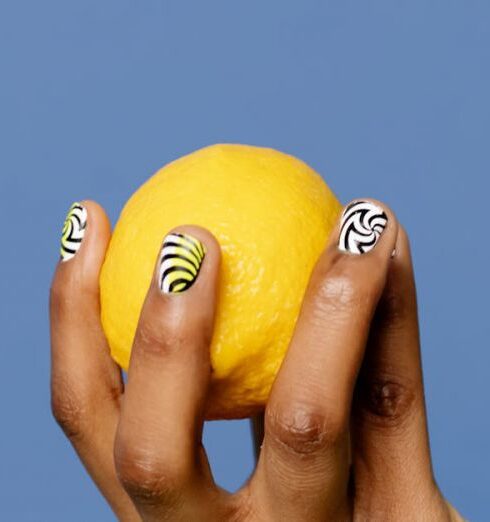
(148, 337)
(387, 401)
(341, 291)
(146, 479)
(242, 508)
(159, 338)
(69, 410)
(171, 334)
(71, 293)
(303, 430)
(59, 299)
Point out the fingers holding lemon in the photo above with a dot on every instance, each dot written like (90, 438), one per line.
(272, 215)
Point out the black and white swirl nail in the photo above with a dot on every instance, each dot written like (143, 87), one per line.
(73, 231)
(361, 227)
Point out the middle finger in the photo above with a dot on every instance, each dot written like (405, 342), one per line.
(158, 454)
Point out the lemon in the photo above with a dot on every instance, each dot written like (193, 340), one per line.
(271, 214)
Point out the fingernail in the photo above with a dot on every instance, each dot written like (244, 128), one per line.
(180, 261)
(73, 231)
(361, 227)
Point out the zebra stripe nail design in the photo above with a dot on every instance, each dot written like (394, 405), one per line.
(180, 261)
(362, 225)
(73, 231)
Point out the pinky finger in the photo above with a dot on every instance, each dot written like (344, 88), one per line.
(391, 446)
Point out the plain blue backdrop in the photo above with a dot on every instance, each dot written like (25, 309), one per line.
(385, 99)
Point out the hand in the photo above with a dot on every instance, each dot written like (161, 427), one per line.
(345, 425)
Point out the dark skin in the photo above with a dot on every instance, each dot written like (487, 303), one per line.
(345, 431)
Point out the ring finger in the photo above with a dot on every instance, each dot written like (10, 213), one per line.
(304, 463)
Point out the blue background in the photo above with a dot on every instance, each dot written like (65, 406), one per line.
(386, 99)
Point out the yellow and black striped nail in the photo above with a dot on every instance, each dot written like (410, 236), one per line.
(73, 231)
(180, 261)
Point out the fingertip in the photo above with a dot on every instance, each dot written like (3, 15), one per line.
(206, 237)
(84, 240)
(188, 261)
(365, 226)
(392, 223)
(211, 245)
(98, 233)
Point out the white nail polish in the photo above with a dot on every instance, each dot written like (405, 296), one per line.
(73, 231)
(361, 227)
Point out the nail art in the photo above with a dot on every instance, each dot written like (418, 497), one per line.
(180, 261)
(362, 225)
(73, 231)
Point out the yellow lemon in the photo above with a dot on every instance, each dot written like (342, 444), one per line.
(271, 214)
